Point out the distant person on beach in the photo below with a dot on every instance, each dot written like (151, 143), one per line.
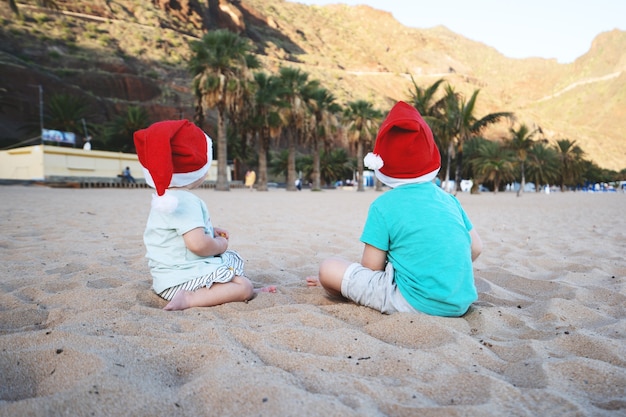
(189, 259)
(419, 242)
(250, 179)
(127, 176)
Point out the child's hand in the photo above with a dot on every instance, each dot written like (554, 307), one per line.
(219, 232)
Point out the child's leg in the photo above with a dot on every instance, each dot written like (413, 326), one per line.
(330, 275)
(239, 289)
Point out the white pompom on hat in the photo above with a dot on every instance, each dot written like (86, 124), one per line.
(173, 153)
(405, 151)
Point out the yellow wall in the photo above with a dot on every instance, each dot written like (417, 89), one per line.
(70, 162)
(22, 163)
(43, 162)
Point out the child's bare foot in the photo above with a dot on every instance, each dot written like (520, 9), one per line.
(180, 301)
(312, 281)
(270, 288)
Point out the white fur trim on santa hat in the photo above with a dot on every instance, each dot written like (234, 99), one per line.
(396, 182)
(180, 179)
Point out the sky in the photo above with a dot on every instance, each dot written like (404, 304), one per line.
(561, 29)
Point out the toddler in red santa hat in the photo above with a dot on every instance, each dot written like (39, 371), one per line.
(189, 259)
(419, 242)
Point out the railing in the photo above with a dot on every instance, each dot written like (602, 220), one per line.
(119, 182)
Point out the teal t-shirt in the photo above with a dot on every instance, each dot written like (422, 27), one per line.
(170, 262)
(425, 232)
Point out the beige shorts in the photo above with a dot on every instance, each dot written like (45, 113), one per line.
(374, 289)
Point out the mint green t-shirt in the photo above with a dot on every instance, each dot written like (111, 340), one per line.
(425, 232)
(170, 262)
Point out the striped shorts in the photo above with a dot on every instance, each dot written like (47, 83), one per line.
(232, 266)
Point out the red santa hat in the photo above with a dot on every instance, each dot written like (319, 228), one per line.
(173, 153)
(405, 151)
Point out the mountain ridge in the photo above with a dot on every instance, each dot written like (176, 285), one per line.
(136, 53)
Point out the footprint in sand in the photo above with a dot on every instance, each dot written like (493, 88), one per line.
(43, 372)
(24, 319)
(105, 283)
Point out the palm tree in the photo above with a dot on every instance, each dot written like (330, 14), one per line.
(322, 105)
(279, 163)
(520, 143)
(494, 163)
(240, 128)
(69, 113)
(570, 157)
(464, 124)
(65, 112)
(593, 174)
(433, 112)
(119, 132)
(445, 128)
(422, 98)
(266, 121)
(542, 164)
(219, 65)
(294, 83)
(362, 120)
(472, 150)
(334, 165)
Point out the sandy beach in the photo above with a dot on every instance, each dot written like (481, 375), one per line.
(82, 334)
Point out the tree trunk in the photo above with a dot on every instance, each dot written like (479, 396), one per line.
(459, 168)
(449, 161)
(523, 183)
(291, 161)
(222, 162)
(359, 164)
(263, 148)
(198, 116)
(379, 184)
(316, 166)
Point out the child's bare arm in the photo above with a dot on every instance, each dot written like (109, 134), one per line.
(205, 245)
(477, 244)
(373, 258)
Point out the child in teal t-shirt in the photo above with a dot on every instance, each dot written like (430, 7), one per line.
(419, 242)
